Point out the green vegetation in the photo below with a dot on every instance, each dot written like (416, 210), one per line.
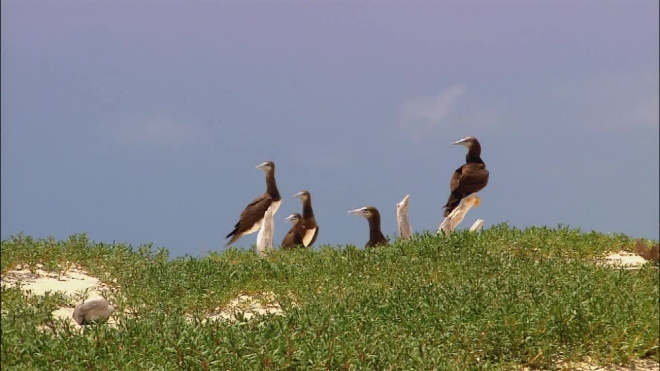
(496, 300)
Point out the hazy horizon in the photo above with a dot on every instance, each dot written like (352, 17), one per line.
(143, 123)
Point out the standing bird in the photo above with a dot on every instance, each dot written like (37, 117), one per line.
(469, 178)
(372, 215)
(309, 222)
(294, 237)
(405, 230)
(250, 218)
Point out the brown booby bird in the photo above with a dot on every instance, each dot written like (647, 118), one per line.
(372, 215)
(294, 237)
(309, 222)
(250, 218)
(470, 178)
(647, 253)
(405, 230)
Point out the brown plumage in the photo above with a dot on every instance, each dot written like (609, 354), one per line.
(652, 253)
(294, 238)
(309, 222)
(372, 215)
(251, 217)
(470, 178)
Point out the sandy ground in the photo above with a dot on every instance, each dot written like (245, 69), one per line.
(624, 260)
(75, 282)
(255, 304)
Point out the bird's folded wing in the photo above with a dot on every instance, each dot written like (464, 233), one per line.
(254, 211)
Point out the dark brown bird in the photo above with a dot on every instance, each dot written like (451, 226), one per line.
(469, 178)
(652, 253)
(372, 215)
(309, 222)
(250, 218)
(294, 237)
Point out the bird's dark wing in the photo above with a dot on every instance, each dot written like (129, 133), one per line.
(259, 206)
(456, 178)
(472, 180)
(294, 237)
(254, 212)
(287, 242)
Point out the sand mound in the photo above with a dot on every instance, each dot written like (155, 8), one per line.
(624, 260)
(247, 306)
(74, 283)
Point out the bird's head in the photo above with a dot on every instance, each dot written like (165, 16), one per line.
(267, 166)
(466, 142)
(367, 212)
(293, 218)
(303, 196)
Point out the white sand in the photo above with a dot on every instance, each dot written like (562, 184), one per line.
(73, 284)
(625, 260)
(251, 306)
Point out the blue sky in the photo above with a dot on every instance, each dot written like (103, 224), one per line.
(143, 121)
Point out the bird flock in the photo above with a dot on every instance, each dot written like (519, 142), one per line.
(258, 215)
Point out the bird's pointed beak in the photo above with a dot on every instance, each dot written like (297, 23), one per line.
(461, 142)
(291, 218)
(262, 166)
(360, 212)
(298, 195)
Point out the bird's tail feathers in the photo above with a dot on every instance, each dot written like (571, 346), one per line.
(452, 203)
(234, 238)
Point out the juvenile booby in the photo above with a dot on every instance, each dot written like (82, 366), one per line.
(294, 237)
(250, 218)
(265, 235)
(405, 230)
(469, 178)
(372, 215)
(309, 222)
(92, 311)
